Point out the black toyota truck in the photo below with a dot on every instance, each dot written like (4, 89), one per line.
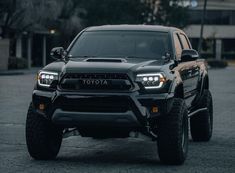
(117, 81)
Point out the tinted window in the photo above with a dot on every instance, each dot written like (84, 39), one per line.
(122, 44)
(178, 47)
(184, 42)
(213, 17)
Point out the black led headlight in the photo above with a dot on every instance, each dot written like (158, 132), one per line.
(151, 80)
(45, 78)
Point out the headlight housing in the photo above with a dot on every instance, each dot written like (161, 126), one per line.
(151, 80)
(46, 78)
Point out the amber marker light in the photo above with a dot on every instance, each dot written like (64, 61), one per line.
(162, 79)
(155, 109)
(41, 106)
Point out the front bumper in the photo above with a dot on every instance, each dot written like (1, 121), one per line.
(93, 119)
(74, 109)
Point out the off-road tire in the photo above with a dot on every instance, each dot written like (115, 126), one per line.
(173, 134)
(42, 137)
(201, 124)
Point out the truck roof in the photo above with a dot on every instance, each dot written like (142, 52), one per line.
(133, 28)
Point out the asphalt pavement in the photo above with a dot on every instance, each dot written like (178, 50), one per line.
(115, 155)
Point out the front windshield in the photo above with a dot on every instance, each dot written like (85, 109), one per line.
(119, 44)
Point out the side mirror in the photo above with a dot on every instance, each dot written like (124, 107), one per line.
(189, 55)
(58, 53)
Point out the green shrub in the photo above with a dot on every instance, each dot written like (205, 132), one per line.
(217, 63)
(17, 63)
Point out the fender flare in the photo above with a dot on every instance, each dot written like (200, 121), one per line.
(177, 88)
(204, 83)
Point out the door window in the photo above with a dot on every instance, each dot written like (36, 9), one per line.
(184, 41)
(178, 46)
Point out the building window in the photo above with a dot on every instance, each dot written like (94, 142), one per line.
(213, 17)
(194, 42)
(208, 47)
(228, 48)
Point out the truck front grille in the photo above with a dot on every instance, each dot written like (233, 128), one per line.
(96, 81)
(95, 104)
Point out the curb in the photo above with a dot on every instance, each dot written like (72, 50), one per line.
(11, 73)
(19, 72)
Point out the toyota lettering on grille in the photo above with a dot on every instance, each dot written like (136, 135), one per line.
(97, 82)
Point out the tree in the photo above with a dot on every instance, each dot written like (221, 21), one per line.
(70, 16)
(7, 13)
(17, 16)
(167, 12)
(69, 21)
(113, 12)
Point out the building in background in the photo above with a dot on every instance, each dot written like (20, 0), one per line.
(29, 29)
(34, 43)
(219, 28)
(35, 46)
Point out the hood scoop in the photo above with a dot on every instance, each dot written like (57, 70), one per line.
(117, 60)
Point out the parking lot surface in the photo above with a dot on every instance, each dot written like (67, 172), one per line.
(135, 155)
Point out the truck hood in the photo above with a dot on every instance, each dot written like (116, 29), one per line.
(109, 65)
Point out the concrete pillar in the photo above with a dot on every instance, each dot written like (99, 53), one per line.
(218, 49)
(29, 52)
(44, 47)
(4, 53)
(19, 47)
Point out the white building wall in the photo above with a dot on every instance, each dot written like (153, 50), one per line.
(211, 31)
(217, 32)
(216, 5)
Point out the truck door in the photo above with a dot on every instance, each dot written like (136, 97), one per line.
(190, 73)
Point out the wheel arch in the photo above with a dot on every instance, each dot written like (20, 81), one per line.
(179, 91)
(206, 82)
